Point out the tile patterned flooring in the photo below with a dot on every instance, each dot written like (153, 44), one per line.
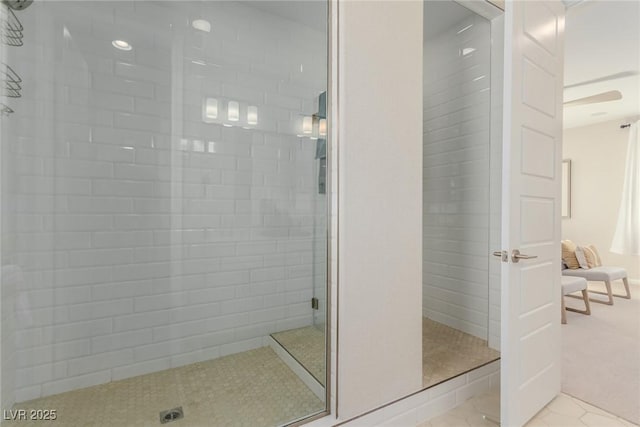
(306, 345)
(254, 388)
(447, 352)
(563, 411)
(249, 389)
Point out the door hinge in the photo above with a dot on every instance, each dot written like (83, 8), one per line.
(314, 303)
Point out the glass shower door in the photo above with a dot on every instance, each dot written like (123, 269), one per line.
(161, 214)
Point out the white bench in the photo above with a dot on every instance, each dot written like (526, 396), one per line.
(602, 274)
(569, 286)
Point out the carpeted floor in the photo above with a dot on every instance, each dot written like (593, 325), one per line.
(601, 354)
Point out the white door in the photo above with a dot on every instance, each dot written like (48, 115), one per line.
(532, 158)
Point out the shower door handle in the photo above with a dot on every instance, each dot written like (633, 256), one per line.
(517, 256)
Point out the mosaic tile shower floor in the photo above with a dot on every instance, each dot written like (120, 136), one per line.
(447, 352)
(250, 389)
(306, 345)
(254, 388)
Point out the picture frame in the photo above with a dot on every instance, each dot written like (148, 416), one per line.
(566, 188)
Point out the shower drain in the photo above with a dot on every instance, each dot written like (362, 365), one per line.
(171, 415)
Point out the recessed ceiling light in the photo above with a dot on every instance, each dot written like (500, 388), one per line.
(121, 44)
(202, 25)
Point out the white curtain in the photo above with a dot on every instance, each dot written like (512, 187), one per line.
(626, 239)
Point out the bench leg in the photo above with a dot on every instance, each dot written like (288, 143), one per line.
(626, 288)
(625, 281)
(563, 317)
(585, 296)
(609, 293)
(587, 306)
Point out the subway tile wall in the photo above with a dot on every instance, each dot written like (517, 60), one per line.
(457, 114)
(144, 237)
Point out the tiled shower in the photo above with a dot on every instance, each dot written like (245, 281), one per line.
(461, 192)
(162, 175)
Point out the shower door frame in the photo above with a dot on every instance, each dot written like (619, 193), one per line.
(331, 190)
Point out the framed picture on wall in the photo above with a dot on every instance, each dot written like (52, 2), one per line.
(566, 188)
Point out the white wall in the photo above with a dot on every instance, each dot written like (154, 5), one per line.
(146, 238)
(457, 137)
(380, 203)
(598, 154)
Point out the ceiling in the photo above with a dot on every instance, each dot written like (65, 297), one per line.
(440, 16)
(602, 53)
(311, 13)
(602, 49)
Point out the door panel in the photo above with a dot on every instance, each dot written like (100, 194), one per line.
(531, 207)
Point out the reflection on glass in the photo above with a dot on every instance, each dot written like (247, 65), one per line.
(163, 229)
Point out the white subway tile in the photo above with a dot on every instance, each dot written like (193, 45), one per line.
(140, 321)
(122, 137)
(141, 271)
(125, 238)
(211, 295)
(55, 352)
(115, 84)
(100, 309)
(142, 73)
(122, 239)
(96, 151)
(137, 172)
(243, 305)
(83, 365)
(79, 222)
(236, 347)
(85, 97)
(141, 368)
(118, 290)
(73, 383)
(82, 276)
(141, 122)
(117, 341)
(180, 330)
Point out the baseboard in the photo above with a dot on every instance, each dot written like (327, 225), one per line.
(635, 282)
(302, 373)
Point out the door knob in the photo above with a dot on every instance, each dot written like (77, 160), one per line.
(517, 256)
(502, 255)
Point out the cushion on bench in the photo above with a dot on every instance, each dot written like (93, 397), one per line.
(572, 284)
(604, 274)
